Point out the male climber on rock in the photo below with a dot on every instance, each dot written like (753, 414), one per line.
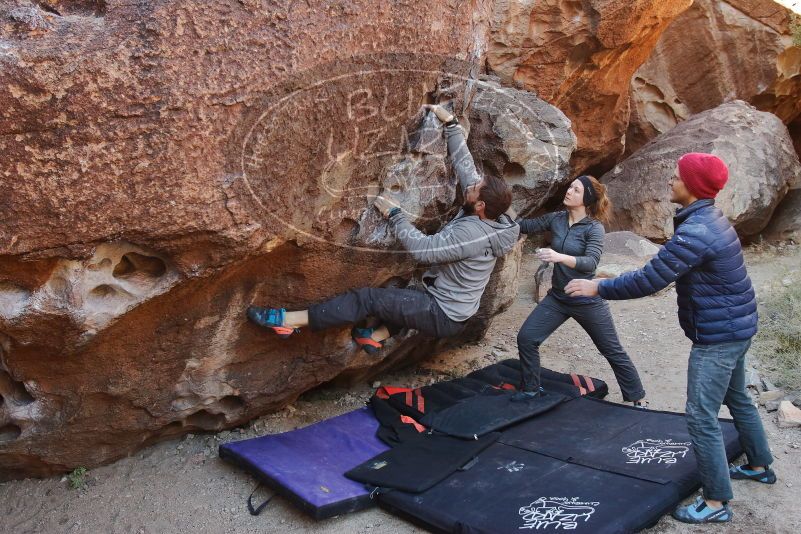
(462, 256)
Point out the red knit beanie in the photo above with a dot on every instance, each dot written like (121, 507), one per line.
(703, 174)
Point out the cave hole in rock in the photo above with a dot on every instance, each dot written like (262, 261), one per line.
(9, 433)
(45, 6)
(14, 391)
(105, 263)
(170, 430)
(173, 428)
(138, 267)
(514, 173)
(13, 299)
(83, 8)
(231, 403)
(488, 167)
(107, 292)
(206, 420)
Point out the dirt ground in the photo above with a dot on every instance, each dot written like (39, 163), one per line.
(182, 486)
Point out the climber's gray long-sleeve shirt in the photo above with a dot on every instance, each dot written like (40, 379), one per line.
(464, 251)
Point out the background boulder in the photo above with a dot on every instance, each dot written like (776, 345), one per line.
(712, 53)
(754, 144)
(580, 57)
(624, 252)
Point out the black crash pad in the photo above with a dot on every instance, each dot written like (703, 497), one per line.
(586, 465)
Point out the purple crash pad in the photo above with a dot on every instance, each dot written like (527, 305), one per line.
(307, 465)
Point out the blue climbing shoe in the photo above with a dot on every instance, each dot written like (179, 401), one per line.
(739, 472)
(699, 512)
(271, 318)
(364, 339)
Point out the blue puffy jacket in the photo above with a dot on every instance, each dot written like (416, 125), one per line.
(704, 257)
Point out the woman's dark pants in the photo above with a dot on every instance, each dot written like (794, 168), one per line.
(596, 319)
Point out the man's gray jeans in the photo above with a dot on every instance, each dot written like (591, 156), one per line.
(715, 376)
(394, 307)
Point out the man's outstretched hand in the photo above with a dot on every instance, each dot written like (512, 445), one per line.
(442, 114)
(385, 204)
(582, 288)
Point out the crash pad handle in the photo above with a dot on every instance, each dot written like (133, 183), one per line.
(257, 511)
(469, 464)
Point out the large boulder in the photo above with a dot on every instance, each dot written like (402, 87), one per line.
(166, 164)
(754, 144)
(712, 53)
(580, 57)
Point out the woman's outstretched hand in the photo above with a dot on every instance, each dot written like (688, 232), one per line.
(442, 114)
(582, 288)
(549, 255)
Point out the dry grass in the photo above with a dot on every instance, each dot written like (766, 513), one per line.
(778, 343)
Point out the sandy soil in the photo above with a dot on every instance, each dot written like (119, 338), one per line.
(181, 486)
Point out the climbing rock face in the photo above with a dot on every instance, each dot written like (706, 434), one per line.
(754, 144)
(527, 142)
(580, 57)
(167, 164)
(689, 72)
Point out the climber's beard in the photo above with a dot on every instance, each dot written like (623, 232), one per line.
(469, 208)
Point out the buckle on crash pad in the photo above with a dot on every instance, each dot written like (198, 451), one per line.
(378, 491)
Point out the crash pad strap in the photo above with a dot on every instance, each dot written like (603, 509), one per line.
(410, 421)
(384, 392)
(421, 405)
(257, 510)
(590, 385)
(577, 383)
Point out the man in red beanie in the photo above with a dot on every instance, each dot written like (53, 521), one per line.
(717, 311)
(703, 175)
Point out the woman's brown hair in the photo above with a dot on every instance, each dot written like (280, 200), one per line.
(602, 208)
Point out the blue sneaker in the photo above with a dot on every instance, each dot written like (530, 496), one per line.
(271, 318)
(699, 512)
(739, 472)
(523, 396)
